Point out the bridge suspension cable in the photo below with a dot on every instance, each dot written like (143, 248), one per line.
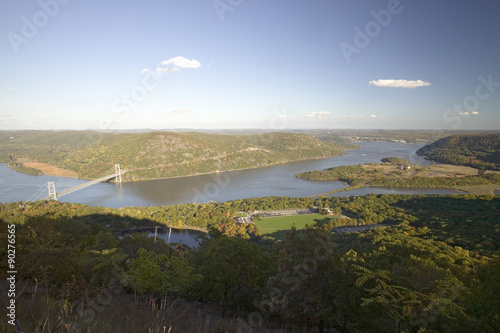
(37, 193)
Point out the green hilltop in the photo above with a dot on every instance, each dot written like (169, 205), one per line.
(481, 151)
(159, 154)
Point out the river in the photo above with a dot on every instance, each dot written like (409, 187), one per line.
(182, 236)
(278, 180)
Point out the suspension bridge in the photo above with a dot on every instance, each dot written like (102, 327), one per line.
(115, 172)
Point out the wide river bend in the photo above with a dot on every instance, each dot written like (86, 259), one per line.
(278, 180)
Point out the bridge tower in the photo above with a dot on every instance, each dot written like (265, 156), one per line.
(118, 178)
(52, 191)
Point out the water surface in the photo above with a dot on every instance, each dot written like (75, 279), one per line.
(276, 180)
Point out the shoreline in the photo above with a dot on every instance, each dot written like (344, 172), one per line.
(234, 170)
(351, 188)
(51, 170)
(473, 189)
(184, 176)
(433, 171)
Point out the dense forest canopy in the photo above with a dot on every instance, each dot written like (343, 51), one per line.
(159, 154)
(432, 266)
(481, 151)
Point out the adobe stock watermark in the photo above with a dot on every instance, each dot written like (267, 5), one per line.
(469, 106)
(223, 6)
(122, 105)
(363, 37)
(280, 119)
(152, 78)
(221, 179)
(86, 309)
(31, 26)
(212, 189)
(292, 278)
(471, 103)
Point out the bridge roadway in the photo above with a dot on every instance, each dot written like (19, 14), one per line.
(92, 182)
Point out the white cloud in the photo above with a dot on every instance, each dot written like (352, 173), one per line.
(173, 65)
(399, 83)
(187, 102)
(181, 62)
(325, 115)
(319, 114)
(359, 117)
(466, 113)
(11, 89)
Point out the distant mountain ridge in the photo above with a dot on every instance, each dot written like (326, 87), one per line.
(480, 151)
(160, 154)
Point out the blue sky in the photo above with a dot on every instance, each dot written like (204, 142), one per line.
(268, 64)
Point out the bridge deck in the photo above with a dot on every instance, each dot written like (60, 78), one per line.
(89, 183)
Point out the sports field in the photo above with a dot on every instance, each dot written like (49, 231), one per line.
(277, 226)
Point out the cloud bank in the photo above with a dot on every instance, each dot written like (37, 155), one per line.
(466, 114)
(399, 83)
(181, 62)
(319, 115)
(325, 115)
(173, 65)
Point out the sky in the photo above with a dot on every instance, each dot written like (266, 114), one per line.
(237, 64)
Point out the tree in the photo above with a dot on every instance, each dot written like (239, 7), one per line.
(396, 301)
(104, 263)
(482, 304)
(233, 269)
(49, 249)
(408, 283)
(313, 286)
(152, 273)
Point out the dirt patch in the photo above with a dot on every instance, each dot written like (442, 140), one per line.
(51, 170)
(458, 170)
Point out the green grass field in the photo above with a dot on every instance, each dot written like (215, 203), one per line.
(277, 226)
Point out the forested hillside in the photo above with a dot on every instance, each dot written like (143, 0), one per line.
(159, 154)
(481, 151)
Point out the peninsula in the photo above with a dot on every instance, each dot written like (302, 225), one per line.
(397, 172)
